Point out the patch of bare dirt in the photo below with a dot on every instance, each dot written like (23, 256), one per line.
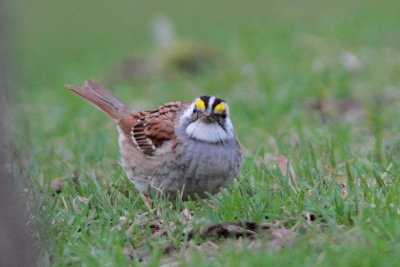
(252, 235)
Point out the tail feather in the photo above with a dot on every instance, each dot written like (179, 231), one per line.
(103, 99)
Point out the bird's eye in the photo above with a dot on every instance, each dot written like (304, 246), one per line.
(223, 116)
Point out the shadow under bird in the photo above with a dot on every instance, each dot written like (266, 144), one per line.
(179, 148)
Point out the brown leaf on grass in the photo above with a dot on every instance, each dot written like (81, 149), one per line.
(284, 164)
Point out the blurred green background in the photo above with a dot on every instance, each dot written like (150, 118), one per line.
(316, 81)
(56, 37)
(275, 54)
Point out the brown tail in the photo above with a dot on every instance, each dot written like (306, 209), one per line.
(103, 99)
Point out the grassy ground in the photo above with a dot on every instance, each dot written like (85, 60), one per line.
(312, 85)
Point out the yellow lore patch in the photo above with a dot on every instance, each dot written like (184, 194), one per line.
(220, 108)
(200, 104)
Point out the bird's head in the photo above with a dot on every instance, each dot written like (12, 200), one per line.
(207, 119)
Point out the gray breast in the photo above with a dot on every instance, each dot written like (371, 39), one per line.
(203, 167)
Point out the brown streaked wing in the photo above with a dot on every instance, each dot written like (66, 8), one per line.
(126, 124)
(156, 127)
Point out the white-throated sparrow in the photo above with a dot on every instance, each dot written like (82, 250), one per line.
(179, 148)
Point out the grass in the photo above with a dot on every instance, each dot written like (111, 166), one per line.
(286, 70)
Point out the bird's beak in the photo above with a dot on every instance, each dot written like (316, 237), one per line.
(207, 118)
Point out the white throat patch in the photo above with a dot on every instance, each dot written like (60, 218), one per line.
(209, 132)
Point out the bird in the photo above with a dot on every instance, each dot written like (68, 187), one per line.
(180, 149)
